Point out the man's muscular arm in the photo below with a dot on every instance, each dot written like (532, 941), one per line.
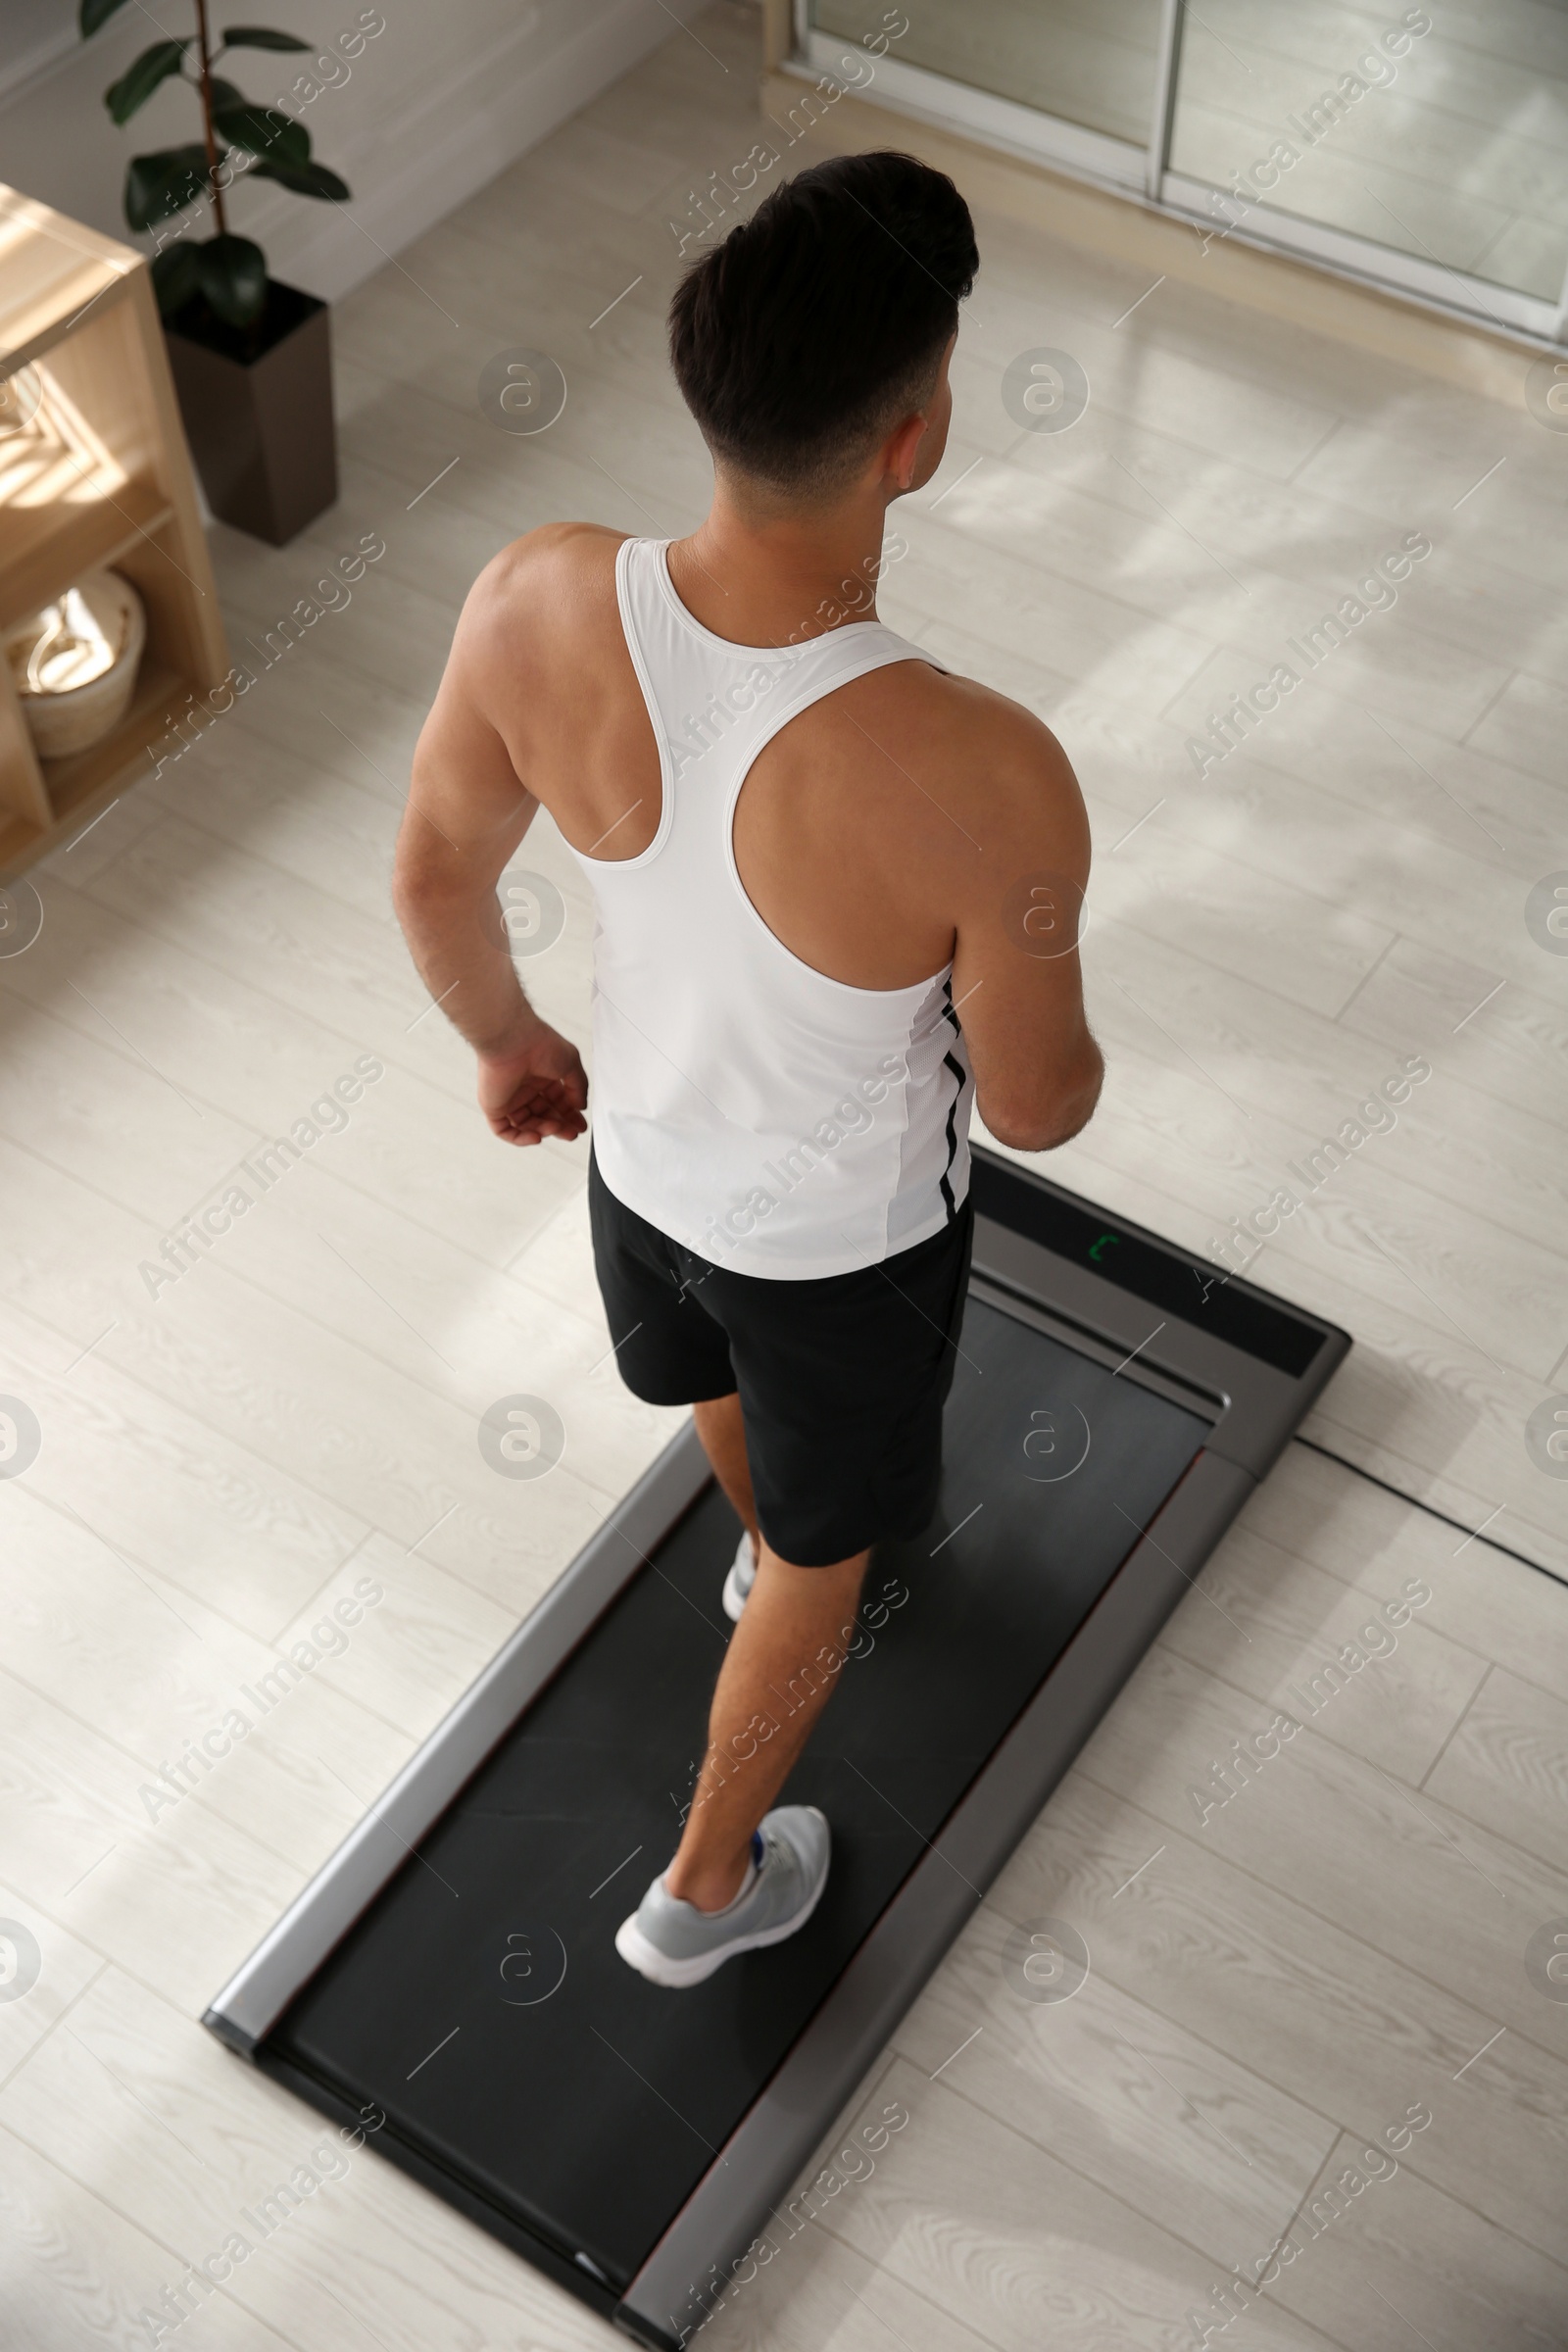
(467, 811)
(1016, 979)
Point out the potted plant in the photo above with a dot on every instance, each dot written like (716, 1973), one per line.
(251, 356)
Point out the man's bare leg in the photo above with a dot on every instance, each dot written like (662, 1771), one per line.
(724, 1434)
(784, 1658)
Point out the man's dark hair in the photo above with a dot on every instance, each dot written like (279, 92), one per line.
(819, 322)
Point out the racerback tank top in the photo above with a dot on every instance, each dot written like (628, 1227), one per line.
(773, 1120)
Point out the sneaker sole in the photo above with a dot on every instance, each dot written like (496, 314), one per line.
(660, 1969)
(734, 1599)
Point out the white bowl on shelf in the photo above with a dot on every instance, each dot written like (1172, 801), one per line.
(74, 663)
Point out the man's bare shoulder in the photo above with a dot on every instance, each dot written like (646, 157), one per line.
(993, 754)
(531, 576)
(541, 606)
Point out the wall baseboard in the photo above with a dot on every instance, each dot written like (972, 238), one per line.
(482, 118)
(476, 104)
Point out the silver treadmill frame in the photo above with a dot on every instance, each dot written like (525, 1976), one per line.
(1254, 1409)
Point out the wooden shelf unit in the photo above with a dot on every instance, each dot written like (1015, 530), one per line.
(94, 470)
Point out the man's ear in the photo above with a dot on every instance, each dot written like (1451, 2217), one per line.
(903, 450)
(901, 454)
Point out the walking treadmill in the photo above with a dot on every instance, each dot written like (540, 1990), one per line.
(452, 1968)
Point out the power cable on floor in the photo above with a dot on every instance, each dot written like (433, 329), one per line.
(1373, 1480)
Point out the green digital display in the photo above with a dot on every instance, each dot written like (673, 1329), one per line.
(1167, 1278)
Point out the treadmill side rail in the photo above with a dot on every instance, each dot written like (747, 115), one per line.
(349, 1882)
(681, 2282)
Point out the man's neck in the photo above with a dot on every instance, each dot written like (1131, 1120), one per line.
(776, 578)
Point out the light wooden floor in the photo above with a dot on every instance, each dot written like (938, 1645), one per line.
(1342, 1943)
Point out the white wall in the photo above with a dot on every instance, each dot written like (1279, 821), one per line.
(436, 105)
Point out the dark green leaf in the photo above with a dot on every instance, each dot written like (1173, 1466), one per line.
(264, 131)
(157, 185)
(234, 277)
(257, 37)
(137, 84)
(306, 180)
(95, 13)
(176, 272)
(225, 95)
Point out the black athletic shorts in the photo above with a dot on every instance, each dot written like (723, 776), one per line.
(842, 1380)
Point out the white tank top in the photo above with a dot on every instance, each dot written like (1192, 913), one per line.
(773, 1120)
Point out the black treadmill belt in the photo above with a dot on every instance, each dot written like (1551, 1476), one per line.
(480, 2000)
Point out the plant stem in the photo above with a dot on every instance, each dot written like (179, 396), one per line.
(205, 85)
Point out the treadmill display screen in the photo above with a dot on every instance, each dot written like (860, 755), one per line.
(1184, 1287)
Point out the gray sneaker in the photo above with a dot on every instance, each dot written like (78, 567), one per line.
(740, 1580)
(674, 1943)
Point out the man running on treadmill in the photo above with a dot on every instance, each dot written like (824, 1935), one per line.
(836, 892)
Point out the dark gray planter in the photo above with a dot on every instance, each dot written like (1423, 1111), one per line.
(256, 403)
